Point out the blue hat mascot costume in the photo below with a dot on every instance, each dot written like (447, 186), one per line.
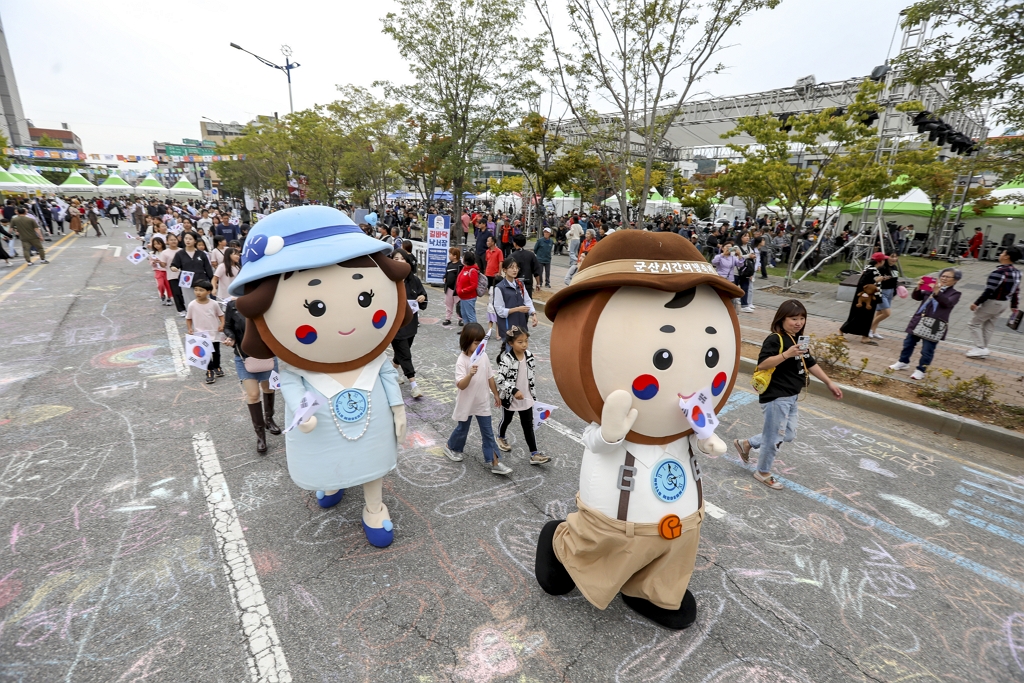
(326, 300)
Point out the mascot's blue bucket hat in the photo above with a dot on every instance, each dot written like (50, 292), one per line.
(301, 238)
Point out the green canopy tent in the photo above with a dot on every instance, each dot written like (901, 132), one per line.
(151, 187)
(76, 185)
(183, 189)
(10, 184)
(116, 186)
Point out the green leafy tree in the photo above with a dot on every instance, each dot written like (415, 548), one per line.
(817, 157)
(378, 136)
(318, 141)
(426, 160)
(47, 141)
(265, 168)
(538, 149)
(699, 192)
(644, 58)
(469, 75)
(4, 161)
(975, 47)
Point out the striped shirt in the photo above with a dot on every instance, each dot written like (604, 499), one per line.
(1003, 283)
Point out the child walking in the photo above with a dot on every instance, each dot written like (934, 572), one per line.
(474, 377)
(451, 277)
(517, 391)
(204, 315)
(157, 245)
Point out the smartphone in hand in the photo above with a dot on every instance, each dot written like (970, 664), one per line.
(804, 342)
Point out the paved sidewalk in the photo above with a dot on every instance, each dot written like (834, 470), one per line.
(1005, 367)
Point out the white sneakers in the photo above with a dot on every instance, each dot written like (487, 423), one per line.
(917, 374)
(416, 393)
(874, 335)
(454, 456)
(977, 353)
(899, 366)
(747, 309)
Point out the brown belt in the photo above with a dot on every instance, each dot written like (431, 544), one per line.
(627, 481)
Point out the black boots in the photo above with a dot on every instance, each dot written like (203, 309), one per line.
(268, 414)
(676, 619)
(551, 574)
(256, 413)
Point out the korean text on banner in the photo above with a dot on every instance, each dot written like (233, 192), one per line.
(438, 236)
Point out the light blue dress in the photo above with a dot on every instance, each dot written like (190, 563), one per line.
(324, 460)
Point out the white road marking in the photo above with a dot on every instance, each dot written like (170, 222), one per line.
(133, 508)
(117, 250)
(177, 348)
(263, 648)
(714, 510)
(915, 509)
(563, 430)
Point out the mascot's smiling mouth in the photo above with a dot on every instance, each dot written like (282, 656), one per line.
(687, 397)
(345, 334)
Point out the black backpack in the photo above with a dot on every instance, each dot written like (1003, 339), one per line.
(747, 269)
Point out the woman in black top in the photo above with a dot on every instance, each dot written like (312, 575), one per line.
(402, 343)
(190, 259)
(859, 320)
(889, 270)
(782, 351)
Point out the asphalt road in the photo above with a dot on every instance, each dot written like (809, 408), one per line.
(142, 537)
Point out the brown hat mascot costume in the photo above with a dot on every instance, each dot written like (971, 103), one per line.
(646, 329)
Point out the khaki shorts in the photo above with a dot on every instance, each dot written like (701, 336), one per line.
(605, 556)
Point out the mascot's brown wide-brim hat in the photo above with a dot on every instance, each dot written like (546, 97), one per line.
(626, 258)
(636, 258)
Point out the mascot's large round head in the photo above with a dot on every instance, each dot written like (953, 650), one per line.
(646, 313)
(322, 295)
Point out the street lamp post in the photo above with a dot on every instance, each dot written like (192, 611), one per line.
(287, 68)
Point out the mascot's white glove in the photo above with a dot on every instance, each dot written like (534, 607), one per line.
(309, 425)
(618, 416)
(401, 425)
(712, 445)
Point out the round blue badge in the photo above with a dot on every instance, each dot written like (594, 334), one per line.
(668, 479)
(350, 405)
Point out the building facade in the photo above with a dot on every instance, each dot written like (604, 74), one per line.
(13, 123)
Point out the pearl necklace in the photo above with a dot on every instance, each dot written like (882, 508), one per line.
(369, 407)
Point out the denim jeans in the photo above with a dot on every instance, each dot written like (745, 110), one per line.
(779, 426)
(457, 441)
(927, 351)
(468, 308)
(745, 285)
(574, 250)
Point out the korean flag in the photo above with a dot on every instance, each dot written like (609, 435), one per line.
(198, 350)
(138, 255)
(541, 412)
(700, 412)
(185, 278)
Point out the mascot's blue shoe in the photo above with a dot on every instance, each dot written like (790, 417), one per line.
(381, 538)
(325, 501)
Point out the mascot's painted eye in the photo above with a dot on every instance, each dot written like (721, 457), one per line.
(663, 359)
(365, 299)
(711, 357)
(316, 307)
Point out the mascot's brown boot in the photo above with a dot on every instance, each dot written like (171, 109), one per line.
(268, 414)
(550, 573)
(677, 619)
(256, 413)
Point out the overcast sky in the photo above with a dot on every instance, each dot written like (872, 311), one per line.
(123, 74)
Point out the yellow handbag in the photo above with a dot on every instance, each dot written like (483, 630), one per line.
(762, 378)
